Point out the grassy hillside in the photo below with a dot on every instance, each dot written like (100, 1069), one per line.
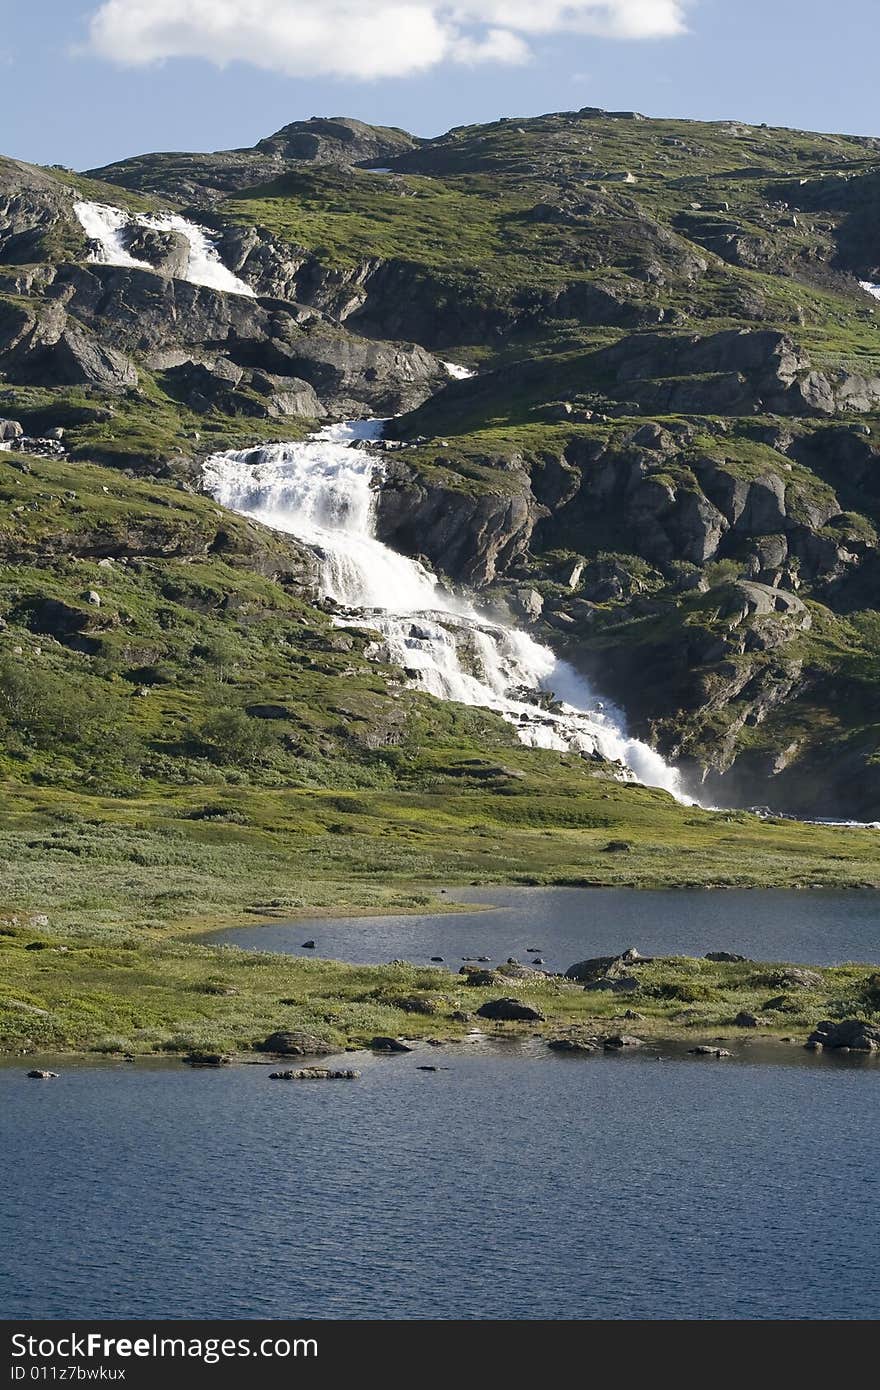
(531, 250)
(187, 740)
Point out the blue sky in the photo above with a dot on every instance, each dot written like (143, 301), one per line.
(86, 83)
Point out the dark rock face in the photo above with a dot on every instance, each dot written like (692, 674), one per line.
(510, 1010)
(469, 537)
(56, 618)
(222, 385)
(271, 267)
(41, 345)
(383, 1044)
(398, 299)
(736, 372)
(170, 323)
(852, 1033)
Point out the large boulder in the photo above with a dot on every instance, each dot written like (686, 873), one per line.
(510, 1010)
(167, 251)
(479, 977)
(381, 1043)
(575, 1044)
(287, 395)
(852, 1033)
(791, 977)
(203, 386)
(604, 967)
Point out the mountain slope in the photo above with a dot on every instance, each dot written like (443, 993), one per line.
(667, 464)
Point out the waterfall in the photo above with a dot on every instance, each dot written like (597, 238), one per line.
(321, 491)
(106, 227)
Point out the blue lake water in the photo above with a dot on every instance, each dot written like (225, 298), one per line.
(509, 1186)
(821, 927)
(512, 1183)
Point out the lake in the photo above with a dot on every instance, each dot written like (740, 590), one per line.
(516, 1184)
(819, 927)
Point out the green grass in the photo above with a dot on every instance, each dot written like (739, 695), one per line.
(147, 431)
(127, 887)
(134, 988)
(492, 214)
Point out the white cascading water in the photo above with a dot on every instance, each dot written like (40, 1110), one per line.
(321, 491)
(457, 371)
(105, 227)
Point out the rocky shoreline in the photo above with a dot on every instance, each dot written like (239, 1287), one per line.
(697, 1007)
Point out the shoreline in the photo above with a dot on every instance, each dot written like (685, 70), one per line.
(523, 1046)
(227, 1001)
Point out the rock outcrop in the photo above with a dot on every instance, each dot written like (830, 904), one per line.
(471, 536)
(854, 1034)
(737, 372)
(203, 179)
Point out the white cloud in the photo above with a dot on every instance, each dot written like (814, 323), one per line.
(361, 38)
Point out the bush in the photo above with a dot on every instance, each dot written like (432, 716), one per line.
(58, 713)
(233, 737)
